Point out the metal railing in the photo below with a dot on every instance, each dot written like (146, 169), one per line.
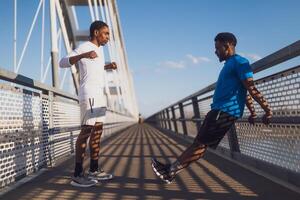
(39, 125)
(274, 149)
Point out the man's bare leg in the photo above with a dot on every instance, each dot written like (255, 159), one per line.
(95, 173)
(213, 129)
(80, 148)
(95, 145)
(191, 154)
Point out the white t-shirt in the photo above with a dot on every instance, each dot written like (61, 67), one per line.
(92, 74)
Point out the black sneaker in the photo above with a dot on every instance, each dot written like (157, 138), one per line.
(82, 181)
(162, 171)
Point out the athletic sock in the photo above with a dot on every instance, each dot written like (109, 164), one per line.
(176, 167)
(78, 169)
(94, 165)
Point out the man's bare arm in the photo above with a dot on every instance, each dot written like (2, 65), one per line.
(110, 66)
(69, 61)
(258, 97)
(75, 59)
(250, 106)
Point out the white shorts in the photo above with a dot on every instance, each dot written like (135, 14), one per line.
(92, 111)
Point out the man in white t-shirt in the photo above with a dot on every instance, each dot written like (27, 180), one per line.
(89, 58)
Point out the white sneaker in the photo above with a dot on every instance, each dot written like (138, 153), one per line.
(100, 175)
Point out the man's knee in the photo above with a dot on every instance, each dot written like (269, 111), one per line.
(198, 144)
(86, 128)
(85, 131)
(98, 126)
(207, 141)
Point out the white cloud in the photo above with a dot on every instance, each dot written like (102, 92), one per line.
(189, 58)
(254, 57)
(251, 56)
(173, 64)
(196, 60)
(158, 70)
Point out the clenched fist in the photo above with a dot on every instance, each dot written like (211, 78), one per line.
(110, 66)
(90, 55)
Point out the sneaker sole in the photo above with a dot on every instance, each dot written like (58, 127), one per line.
(73, 183)
(159, 174)
(101, 179)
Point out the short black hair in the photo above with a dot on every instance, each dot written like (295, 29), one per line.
(226, 37)
(96, 25)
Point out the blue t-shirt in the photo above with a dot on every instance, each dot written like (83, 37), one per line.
(230, 93)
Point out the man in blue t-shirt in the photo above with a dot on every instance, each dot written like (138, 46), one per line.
(229, 100)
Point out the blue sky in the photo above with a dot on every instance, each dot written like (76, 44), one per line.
(163, 38)
(170, 44)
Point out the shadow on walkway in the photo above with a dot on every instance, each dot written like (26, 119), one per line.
(128, 156)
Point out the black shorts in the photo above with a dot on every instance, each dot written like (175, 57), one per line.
(214, 127)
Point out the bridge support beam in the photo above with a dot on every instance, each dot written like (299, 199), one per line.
(54, 60)
(54, 46)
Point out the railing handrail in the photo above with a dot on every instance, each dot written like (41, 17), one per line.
(28, 82)
(282, 55)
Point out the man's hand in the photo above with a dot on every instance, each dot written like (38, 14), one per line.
(251, 119)
(114, 65)
(89, 55)
(266, 118)
(111, 66)
(258, 97)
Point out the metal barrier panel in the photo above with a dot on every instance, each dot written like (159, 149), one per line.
(277, 143)
(282, 90)
(36, 130)
(66, 127)
(23, 142)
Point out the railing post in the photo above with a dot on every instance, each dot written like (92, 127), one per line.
(233, 140)
(196, 113)
(161, 123)
(168, 118)
(182, 117)
(164, 119)
(174, 119)
(157, 119)
(51, 129)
